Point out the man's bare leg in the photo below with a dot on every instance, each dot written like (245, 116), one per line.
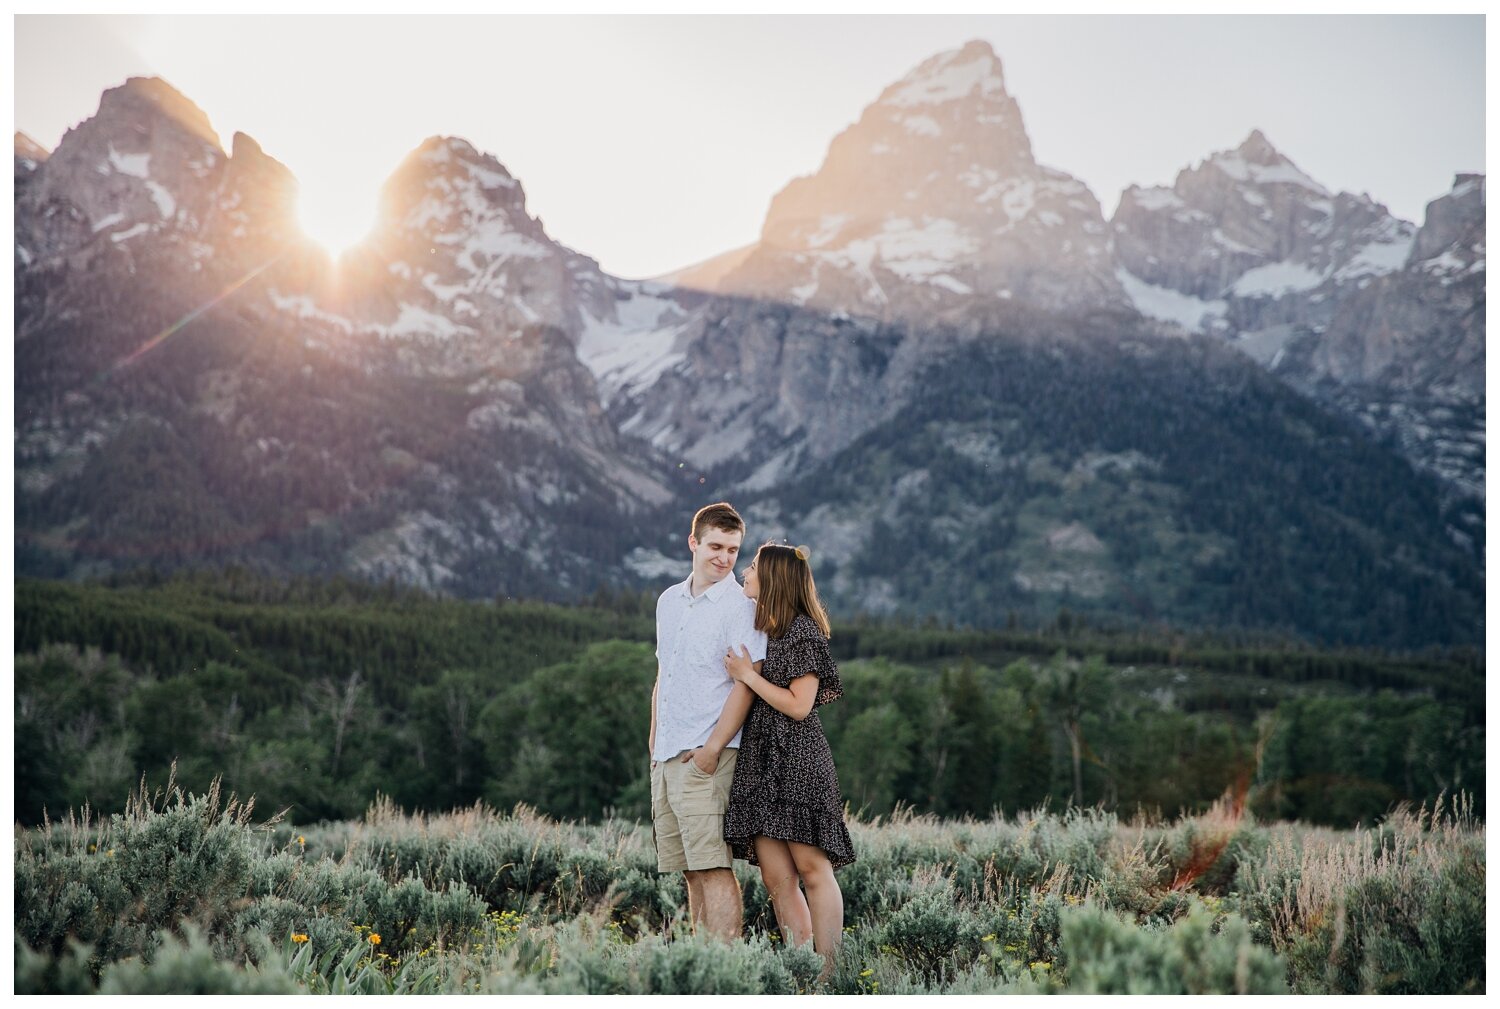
(715, 903)
(694, 896)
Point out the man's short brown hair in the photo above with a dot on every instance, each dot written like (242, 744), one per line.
(720, 515)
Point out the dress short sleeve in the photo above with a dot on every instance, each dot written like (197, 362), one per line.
(810, 654)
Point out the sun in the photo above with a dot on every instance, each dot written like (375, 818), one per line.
(334, 212)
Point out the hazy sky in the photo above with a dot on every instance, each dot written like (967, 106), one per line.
(652, 142)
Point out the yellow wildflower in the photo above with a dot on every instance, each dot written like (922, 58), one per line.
(299, 937)
(374, 938)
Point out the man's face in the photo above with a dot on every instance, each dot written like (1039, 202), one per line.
(714, 555)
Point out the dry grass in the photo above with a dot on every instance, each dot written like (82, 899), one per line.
(1316, 867)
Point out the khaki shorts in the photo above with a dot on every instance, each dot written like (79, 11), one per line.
(687, 813)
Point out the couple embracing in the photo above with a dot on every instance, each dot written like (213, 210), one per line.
(740, 767)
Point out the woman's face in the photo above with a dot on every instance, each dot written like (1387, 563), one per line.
(752, 580)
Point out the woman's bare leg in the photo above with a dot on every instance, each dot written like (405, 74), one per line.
(825, 901)
(779, 872)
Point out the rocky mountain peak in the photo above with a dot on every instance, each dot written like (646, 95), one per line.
(1256, 162)
(248, 159)
(1256, 148)
(1248, 226)
(932, 143)
(455, 157)
(29, 154)
(141, 99)
(972, 71)
(445, 186)
(145, 162)
(255, 202)
(1467, 180)
(455, 258)
(932, 201)
(1451, 241)
(29, 150)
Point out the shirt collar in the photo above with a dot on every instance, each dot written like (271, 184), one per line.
(713, 592)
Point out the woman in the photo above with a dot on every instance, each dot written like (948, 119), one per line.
(784, 811)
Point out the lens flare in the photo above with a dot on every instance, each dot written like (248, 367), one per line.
(336, 214)
(141, 351)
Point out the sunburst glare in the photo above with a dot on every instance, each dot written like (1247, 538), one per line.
(334, 213)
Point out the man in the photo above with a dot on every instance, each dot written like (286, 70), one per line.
(696, 713)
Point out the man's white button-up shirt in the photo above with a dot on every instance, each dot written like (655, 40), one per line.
(692, 635)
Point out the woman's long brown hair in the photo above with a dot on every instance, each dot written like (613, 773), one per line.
(786, 590)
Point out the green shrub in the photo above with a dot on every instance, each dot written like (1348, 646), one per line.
(68, 973)
(1398, 908)
(932, 935)
(1107, 956)
(478, 901)
(647, 901)
(1388, 941)
(189, 966)
(113, 885)
(1206, 851)
(1030, 932)
(677, 964)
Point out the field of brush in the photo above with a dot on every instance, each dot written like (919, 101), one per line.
(199, 893)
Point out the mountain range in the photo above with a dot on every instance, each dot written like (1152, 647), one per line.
(1242, 402)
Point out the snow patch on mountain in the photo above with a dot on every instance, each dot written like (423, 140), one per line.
(1450, 266)
(956, 286)
(635, 348)
(917, 251)
(130, 232)
(1275, 279)
(489, 178)
(1018, 196)
(414, 321)
(1193, 314)
(1378, 258)
(166, 204)
(771, 472)
(1157, 198)
(654, 565)
(922, 126)
(1234, 165)
(302, 306)
(828, 229)
(719, 445)
(493, 239)
(1266, 346)
(1225, 242)
(135, 165)
(950, 77)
